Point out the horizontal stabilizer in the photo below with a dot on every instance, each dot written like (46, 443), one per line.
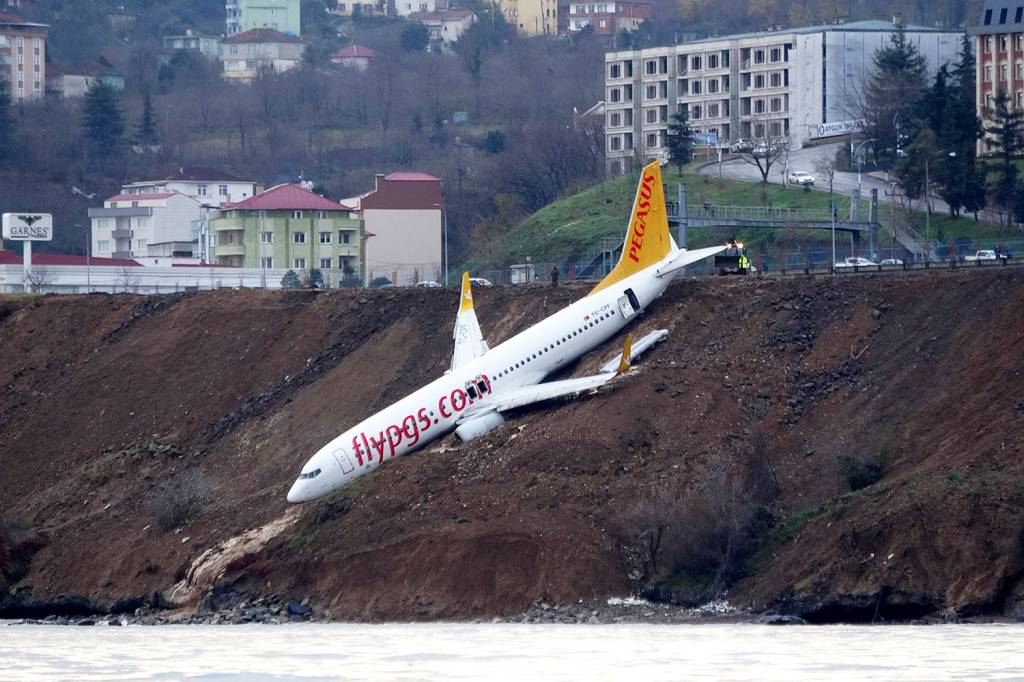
(688, 257)
(527, 395)
(636, 351)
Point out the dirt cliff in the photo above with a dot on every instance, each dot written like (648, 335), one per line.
(137, 434)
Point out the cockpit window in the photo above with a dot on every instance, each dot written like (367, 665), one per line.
(311, 474)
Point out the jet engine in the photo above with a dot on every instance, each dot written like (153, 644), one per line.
(478, 426)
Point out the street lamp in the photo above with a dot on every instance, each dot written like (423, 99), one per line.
(853, 152)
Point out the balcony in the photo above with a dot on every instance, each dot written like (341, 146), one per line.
(229, 250)
(122, 254)
(121, 233)
(228, 225)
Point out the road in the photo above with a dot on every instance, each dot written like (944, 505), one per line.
(805, 160)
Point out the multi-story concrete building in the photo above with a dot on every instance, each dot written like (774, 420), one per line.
(347, 8)
(245, 55)
(288, 226)
(445, 26)
(210, 186)
(279, 15)
(23, 57)
(532, 17)
(128, 225)
(608, 18)
(999, 51)
(403, 219)
(798, 84)
(191, 41)
(404, 8)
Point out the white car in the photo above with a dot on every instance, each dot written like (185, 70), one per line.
(801, 178)
(480, 282)
(855, 262)
(987, 254)
(891, 261)
(427, 284)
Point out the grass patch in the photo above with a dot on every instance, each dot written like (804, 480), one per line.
(955, 478)
(794, 524)
(861, 472)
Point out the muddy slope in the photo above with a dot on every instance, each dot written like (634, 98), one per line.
(138, 433)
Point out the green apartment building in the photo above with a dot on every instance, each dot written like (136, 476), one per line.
(288, 227)
(280, 15)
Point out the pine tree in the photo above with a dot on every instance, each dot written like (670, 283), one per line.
(101, 119)
(1007, 133)
(145, 132)
(896, 82)
(6, 123)
(680, 139)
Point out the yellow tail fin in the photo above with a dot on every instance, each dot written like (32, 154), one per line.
(466, 299)
(648, 239)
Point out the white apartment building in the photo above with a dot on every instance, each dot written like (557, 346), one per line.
(133, 225)
(246, 55)
(404, 8)
(210, 186)
(799, 84)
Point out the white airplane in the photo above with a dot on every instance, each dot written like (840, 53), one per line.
(483, 382)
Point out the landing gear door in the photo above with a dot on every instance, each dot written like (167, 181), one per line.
(628, 304)
(344, 461)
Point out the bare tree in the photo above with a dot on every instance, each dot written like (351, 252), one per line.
(771, 143)
(39, 278)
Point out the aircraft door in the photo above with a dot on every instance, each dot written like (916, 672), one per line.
(344, 461)
(628, 304)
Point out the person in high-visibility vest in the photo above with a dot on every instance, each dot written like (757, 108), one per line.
(744, 264)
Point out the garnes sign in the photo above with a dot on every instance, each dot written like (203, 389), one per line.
(31, 227)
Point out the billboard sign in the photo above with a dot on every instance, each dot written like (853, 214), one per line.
(706, 139)
(28, 227)
(835, 129)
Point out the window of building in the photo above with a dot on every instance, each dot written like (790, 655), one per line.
(3, 41)
(695, 62)
(103, 246)
(201, 190)
(712, 85)
(297, 215)
(1002, 43)
(614, 95)
(321, 215)
(712, 61)
(261, 213)
(759, 106)
(652, 115)
(759, 81)
(652, 140)
(1020, 100)
(325, 237)
(222, 190)
(266, 237)
(19, 41)
(615, 120)
(696, 112)
(299, 238)
(759, 56)
(140, 244)
(776, 80)
(1002, 16)
(616, 143)
(988, 44)
(1003, 72)
(627, 67)
(695, 87)
(1018, 40)
(713, 110)
(345, 264)
(343, 237)
(776, 104)
(325, 263)
(1017, 17)
(250, 65)
(628, 117)
(776, 54)
(627, 141)
(651, 92)
(299, 263)
(267, 262)
(615, 71)
(1018, 71)
(776, 129)
(662, 62)
(627, 93)
(651, 67)
(759, 131)
(663, 89)
(988, 73)
(988, 17)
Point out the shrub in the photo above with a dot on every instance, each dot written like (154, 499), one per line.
(860, 471)
(181, 498)
(291, 280)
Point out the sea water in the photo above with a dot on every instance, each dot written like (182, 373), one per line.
(512, 652)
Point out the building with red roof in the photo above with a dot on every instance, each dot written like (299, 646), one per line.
(444, 26)
(403, 216)
(247, 54)
(353, 56)
(211, 186)
(23, 57)
(290, 226)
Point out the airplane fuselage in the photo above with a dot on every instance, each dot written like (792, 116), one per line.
(434, 410)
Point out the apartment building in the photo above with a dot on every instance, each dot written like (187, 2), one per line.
(445, 26)
(279, 15)
(799, 84)
(245, 55)
(23, 57)
(999, 47)
(608, 18)
(404, 221)
(289, 226)
(210, 186)
(531, 17)
(130, 225)
(191, 41)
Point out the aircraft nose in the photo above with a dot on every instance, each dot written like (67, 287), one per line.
(297, 492)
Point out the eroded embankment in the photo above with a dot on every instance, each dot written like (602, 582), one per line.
(140, 434)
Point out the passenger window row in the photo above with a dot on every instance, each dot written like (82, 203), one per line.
(558, 342)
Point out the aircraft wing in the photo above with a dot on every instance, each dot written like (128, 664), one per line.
(535, 393)
(469, 340)
(688, 257)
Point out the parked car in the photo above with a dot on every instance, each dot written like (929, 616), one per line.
(741, 145)
(427, 284)
(855, 262)
(891, 261)
(801, 178)
(986, 254)
(480, 282)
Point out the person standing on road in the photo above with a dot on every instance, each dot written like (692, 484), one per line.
(554, 275)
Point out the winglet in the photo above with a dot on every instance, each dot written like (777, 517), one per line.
(466, 299)
(626, 353)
